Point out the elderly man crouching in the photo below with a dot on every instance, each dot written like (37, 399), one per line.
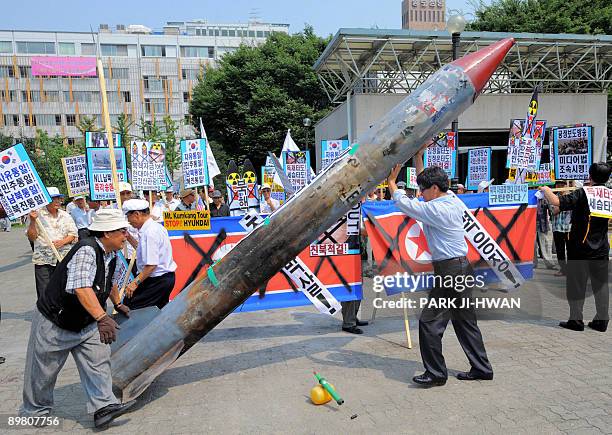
(71, 318)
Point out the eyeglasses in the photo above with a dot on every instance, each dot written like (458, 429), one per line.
(123, 231)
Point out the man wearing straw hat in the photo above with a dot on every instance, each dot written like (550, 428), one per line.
(188, 200)
(71, 318)
(156, 267)
(46, 227)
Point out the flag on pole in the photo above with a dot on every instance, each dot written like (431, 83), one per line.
(213, 168)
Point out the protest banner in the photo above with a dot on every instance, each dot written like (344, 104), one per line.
(342, 238)
(573, 151)
(268, 174)
(443, 153)
(63, 66)
(121, 269)
(331, 150)
(99, 172)
(411, 177)
(514, 138)
(21, 189)
(600, 201)
(297, 167)
(545, 176)
(526, 154)
(479, 167)
(194, 251)
(148, 165)
(508, 194)
(99, 139)
(75, 173)
(187, 220)
(399, 243)
(194, 163)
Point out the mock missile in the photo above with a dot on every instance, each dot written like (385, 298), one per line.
(255, 259)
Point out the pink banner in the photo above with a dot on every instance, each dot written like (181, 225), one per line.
(64, 66)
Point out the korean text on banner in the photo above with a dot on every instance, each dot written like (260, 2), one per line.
(21, 189)
(75, 173)
(148, 165)
(442, 153)
(194, 163)
(99, 174)
(600, 201)
(508, 194)
(63, 66)
(411, 177)
(516, 128)
(297, 167)
(331, 150)
(479, 167)
(573, 149)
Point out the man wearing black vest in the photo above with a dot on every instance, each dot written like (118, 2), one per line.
(587, 253)
(71, 318)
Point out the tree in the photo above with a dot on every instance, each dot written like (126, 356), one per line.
(256, 93)
(124, 124)
(173, 156)
(87, 123)
(546, 16)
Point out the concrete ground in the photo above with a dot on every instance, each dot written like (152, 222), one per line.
(254, 372)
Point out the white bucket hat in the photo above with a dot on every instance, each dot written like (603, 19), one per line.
(54, 192)
(108, 219)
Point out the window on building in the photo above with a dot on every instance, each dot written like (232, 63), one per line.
(203, 32)
(25, 71)
(251, 33)
(71, 140)
(45, 119)
(26, 121)
(198, 32)
(12, 96)
(11, 120)
(7, 71)
(232, 33)
(266, 34)
(117, 73)
(127, 97)
(6, 47)
(88, 49)
(157, 104)
(52, 96)
(194, 51)
(32, 47)
(223, 32)
(79, 96)
(70, 120)
(153, 50)
(260, 34)
(187, 119)
(186, 97)
(154, 84)
(113, 50)
(217, 32)
(190, 74)
(66, 48)
(58, 119)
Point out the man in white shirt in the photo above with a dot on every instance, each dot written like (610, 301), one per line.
(155, 281)
(80, 214)
(269, 204)
(442, 217)
(170, 202)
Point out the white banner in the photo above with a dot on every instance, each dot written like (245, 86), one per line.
(148, 165)
(490, 251)
(600, 201)
(75, 173)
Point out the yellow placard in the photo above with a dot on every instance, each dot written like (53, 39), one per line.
(187, 220)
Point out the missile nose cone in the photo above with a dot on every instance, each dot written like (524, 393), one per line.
(479, 66)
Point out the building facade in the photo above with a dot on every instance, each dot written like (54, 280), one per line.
(149, 74)
(423, 14)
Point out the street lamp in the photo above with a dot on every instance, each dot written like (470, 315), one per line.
(307, 122)
(455, 25)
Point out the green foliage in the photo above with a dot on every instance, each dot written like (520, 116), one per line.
(87, 123)
(124, 124)
(544, 16)
(173, 156)
(257, 93)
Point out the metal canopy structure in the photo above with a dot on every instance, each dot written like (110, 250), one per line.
(398, 61)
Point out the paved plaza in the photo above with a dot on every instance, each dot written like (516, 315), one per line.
(253, 373)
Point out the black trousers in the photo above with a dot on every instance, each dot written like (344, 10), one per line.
(578, 273)
(349, 313)
(42, 275)
(561, 246)
(434, 320)
(152, 292)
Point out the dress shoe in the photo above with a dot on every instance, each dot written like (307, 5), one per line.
(597, 325)
(362, 323)
(428, 380)
(574, 325)
(352, 330)
(474, 376)
(104, 416)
